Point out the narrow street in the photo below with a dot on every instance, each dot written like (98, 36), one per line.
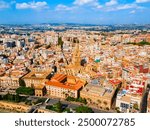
(144, 102)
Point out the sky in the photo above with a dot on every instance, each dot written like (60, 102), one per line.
(75, 11)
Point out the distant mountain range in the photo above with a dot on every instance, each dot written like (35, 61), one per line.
(67, 26)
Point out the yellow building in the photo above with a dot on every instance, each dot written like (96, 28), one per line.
(36, 78)
(11, 80)
(40, 91)
(98, 95)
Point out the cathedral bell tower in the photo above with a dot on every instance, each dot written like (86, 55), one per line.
(76, 56)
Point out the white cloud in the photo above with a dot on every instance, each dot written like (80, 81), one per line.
(64, 7)
(142, 1)
(32, 5)
(93, 3)
(124, 7)
(112, 5)
(111, 2)
(83, 2)
(3, 5)
(78, 3)
(127, 6)
(99, 6)
(132, 12)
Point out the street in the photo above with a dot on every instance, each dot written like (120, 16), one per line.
(71, 105)
(144, 102)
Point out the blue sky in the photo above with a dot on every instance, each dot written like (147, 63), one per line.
(75, 11)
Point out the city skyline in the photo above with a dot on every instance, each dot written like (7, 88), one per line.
(75, 11)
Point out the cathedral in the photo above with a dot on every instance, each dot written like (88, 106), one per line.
(75, 67)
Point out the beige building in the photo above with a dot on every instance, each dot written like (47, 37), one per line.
(62, 86)
(40, 91)
(98, 95)
(36, 78)
(11, 79)
(128, 102)
(9, 82)
(129, 99)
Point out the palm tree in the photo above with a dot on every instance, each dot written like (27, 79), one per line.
(89, 100)
(66, 95)
(99, 102)
(105, 103)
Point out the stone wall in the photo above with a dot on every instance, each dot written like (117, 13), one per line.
(14, 107)
(44, 111)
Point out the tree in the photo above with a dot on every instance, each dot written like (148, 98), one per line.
(135, 106)
(70, 98)
(66, 95)
(17, 98)
(139, 43)
(60, 42)
(21, 82)
(82, 100)
(49, 107)
(89, 100)
(25, 90)
(105, 103)
(116, 108)
(67, 110)
(8, 97)
(107, 108)
(118, 111)
(99, 101)
(58, 107)
(83, 109)
(13, 98)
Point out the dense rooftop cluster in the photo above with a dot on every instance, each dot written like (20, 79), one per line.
(102, 68)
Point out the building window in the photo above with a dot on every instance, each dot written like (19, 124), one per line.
(123, 105)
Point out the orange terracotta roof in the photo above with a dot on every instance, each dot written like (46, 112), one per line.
(58, 77)
(71, 77)
(77, 86)
(115, 81)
